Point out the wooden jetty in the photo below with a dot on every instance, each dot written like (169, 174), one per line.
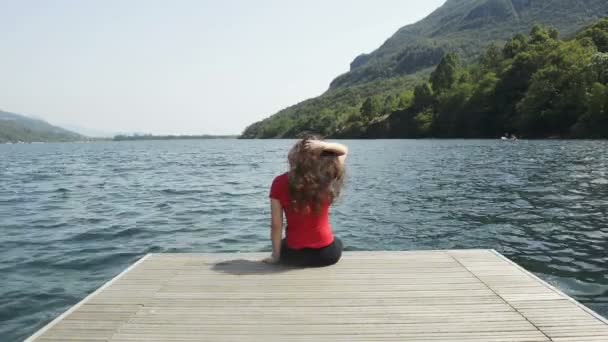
(468, 295)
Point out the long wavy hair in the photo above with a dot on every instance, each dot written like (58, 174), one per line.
(315, 177)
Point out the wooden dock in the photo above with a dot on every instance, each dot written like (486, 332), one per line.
(469, 295)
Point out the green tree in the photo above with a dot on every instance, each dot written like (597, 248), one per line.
(553, 33)
(540, 34)
(370, 107)
(514, 46)
(484, 120)
(446, 73)
(424, 123)
(514, 81)
(599, 67)
(556, 94)
(405, 99)
(491, 59)
(598, 33)
(451, 119)
(597, 101)
(594, 122)
(423, 96)
(391, 103)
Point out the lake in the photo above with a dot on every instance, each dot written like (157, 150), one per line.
(74, 215)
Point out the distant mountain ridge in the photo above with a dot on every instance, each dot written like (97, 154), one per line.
(19, 128)
(463, 27)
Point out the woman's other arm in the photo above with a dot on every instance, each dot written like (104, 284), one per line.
(276, 230)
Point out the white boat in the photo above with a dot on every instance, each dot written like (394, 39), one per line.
(512, 138)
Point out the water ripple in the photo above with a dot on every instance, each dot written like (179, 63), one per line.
(74, 215)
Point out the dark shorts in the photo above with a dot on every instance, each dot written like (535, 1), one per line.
(311, 257)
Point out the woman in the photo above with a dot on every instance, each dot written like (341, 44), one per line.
(304, 194)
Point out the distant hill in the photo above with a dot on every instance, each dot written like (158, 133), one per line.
(463, 27)
(18, 128)
(88, 132)
(135, 137)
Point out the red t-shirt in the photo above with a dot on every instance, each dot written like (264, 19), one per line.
(305, 229)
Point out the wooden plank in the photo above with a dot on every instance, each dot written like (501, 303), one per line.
(60, 318)
(437, 337)
(550, 310)
(470, 295)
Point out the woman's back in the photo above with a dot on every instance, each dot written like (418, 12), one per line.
(306, 228)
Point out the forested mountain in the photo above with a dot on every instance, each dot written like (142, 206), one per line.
(18, 128)
(386, 77)
(535, 86)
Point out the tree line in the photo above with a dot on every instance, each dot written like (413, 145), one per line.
(535, 86)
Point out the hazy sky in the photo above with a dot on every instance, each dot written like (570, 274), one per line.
(182, 67)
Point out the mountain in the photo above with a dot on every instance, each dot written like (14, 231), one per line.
(16, 128)
(462, 27)
(465, 27)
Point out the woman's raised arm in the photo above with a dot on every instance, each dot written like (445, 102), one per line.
(340, 150)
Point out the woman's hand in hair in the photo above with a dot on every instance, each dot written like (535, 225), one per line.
(314, 145)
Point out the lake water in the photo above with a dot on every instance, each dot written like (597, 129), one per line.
(74, 215)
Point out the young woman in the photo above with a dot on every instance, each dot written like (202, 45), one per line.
(304, 194)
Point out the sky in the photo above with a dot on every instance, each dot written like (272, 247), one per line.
(182, 66)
